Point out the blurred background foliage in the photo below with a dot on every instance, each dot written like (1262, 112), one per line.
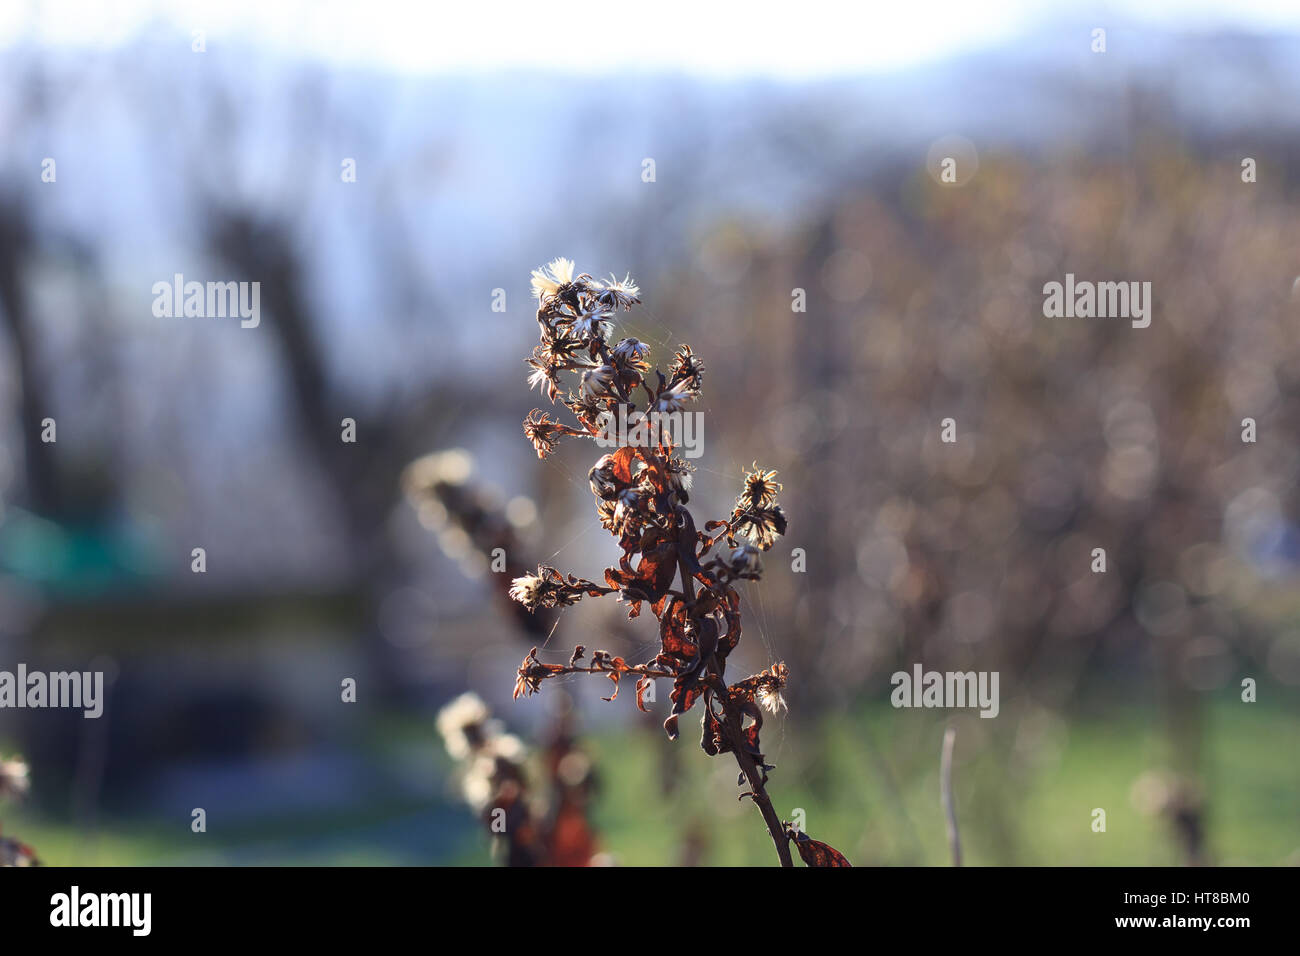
(924, 302)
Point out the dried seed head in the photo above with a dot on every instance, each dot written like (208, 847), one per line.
(601, 478)
(631, 353)
(605, 513)
(686, 366)
(761, 525)
(770, 684)
(613, 294)
(673, 398)
(425, 474)
(508, 747)
(542, 432)
(550, 279)
(593, 325)
(13, 778)
(598, 382)
(681, 475)
(771, 700)
(628, 502)
(739, 562)
(528, 591)
(760, 489)
(464, 724)
(545, 370)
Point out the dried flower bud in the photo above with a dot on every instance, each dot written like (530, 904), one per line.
(464, 724)
(628, 502)
(543, 376)
(13, 778)
(681, 475)
(631, 353)
(761, 525)
(542, 432)
(686, 367)
(601, 477)
(528, 591)
(613, 294)
(760, 489)
(548, 588)
(673, 398)
(591, 325)
(548, 281)
(599, 382)
(740, 562)
(605, 514)
(770, 684)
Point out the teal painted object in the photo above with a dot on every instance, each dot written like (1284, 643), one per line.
(75, 559)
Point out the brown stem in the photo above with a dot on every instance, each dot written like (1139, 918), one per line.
(597, 669)
(731, 723)
(732, 729)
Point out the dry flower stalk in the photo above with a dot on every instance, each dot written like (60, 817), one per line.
(14, 782)
(686, 575)
(529, 828)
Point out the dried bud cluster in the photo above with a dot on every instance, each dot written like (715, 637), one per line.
(14, 783)
(494, 776)
(473, 526)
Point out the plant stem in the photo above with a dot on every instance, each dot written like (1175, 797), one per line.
(731, 724)
(945, 792)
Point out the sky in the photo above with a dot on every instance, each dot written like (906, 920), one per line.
(715, 38)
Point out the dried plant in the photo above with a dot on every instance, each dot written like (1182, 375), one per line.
(14, 783)
(530, 828)
(438, 485)
(641, 494)
(551, 828)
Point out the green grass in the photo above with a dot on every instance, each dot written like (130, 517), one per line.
(867, 782)
(1025, 790)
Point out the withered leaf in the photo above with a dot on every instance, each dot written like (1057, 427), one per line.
(814, 852)
(642, 685)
